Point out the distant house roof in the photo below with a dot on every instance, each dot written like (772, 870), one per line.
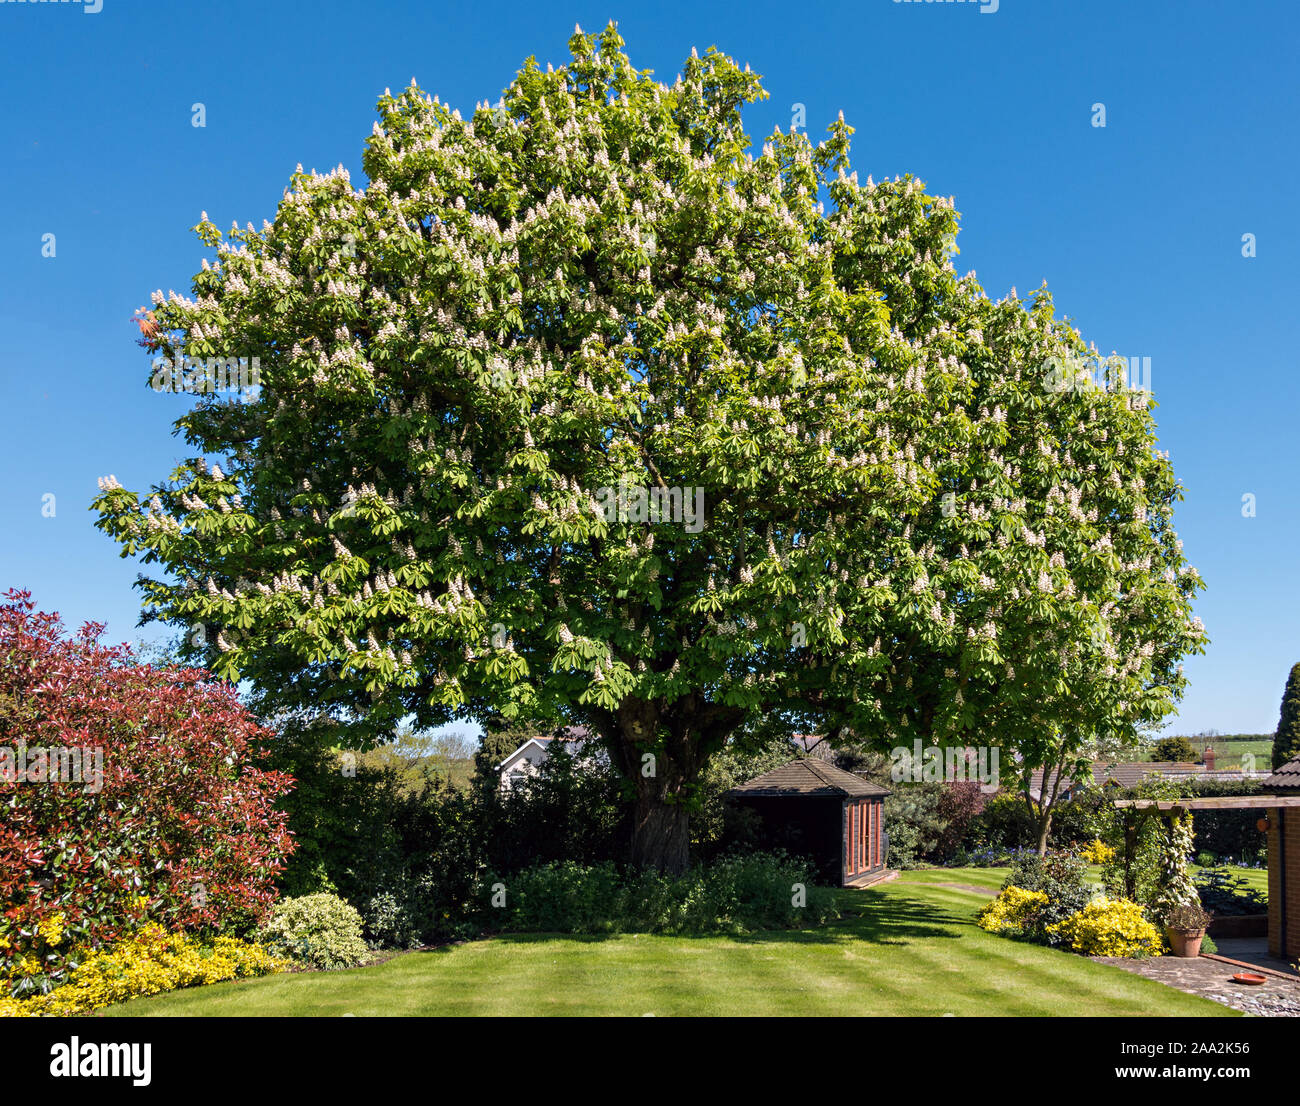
(1131, 773)
(808, 777)
(1287, 776)
(573, 740)
(543, 743)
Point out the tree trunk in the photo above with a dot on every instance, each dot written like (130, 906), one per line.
(661, 753)
(1044, 828)
(660, 820)
(1046, 802)
(661, 838)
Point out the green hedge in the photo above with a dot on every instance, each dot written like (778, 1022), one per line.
(736, 894)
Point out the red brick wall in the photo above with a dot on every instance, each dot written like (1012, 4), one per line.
(1290, 818)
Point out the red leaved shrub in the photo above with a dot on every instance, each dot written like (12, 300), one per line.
(182, 827)
(960, 802)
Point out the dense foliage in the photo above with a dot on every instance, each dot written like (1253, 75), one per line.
(1175, 888)
(407, 859)
(181, 828)
(1228, 836)
(735, 894)
(920, 513)
(412, 862)
(1174, 748)
(1046, 900)
(1059, 877)
(1108, 927)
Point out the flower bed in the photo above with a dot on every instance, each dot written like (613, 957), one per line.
(1045, 900)
(147, 963)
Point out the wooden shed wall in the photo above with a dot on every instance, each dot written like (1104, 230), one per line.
(862, 838)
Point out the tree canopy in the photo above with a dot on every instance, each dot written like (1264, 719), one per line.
(497, 378)
(1174, 748)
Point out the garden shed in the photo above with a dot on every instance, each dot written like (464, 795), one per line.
(811, 808)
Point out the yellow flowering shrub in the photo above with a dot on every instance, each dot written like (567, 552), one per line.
(1011, 910)
(1098, 853)
(33, 951)
(1109, 927)
(51, 929)
(147, 963)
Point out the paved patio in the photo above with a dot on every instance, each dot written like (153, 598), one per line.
(1212, 979)
(1254, 950)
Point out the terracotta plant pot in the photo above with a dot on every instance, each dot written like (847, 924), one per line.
(1185, 942)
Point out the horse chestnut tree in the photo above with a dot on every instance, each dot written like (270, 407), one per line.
(910, 528)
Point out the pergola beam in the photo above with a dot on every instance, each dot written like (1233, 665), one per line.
(1219, 802)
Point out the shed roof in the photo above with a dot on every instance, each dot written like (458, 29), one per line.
(1286, 777)
(809, 777)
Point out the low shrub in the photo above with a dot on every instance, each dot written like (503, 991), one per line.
(318, 931)
(564, 897)
(1014, 912)
(754, 892)
(147, 963)
(1059, 876)
(1108, 927)
(1098, 852)
(735, 894)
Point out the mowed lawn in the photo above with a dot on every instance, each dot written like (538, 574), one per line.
(909, 947)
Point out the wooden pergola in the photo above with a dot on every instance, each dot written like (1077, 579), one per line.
(1136, 809)
(1217, 802)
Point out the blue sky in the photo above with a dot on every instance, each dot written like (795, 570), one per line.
(1137, 227)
